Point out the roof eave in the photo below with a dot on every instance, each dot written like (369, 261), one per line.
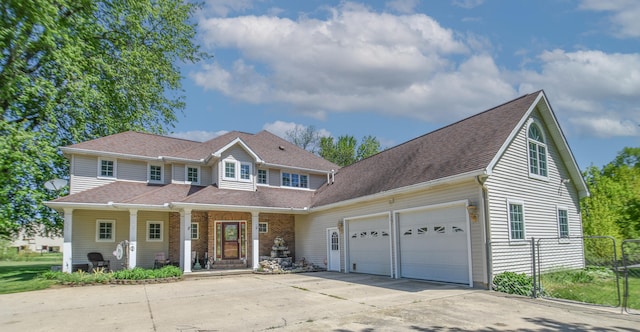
(239, 208)
(404, 190)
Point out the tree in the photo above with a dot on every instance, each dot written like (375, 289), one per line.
(343, 151)
(73, 70)
(613, 208)
(307, 137)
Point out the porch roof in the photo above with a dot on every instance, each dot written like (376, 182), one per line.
(133, 193)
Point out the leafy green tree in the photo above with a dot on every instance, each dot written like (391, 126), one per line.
(73, 70)
(343, 151)
(613, 208)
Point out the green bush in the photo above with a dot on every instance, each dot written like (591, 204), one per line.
(101, 277)
(513, 283)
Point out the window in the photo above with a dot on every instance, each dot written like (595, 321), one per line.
(263, 227)
(334, 241)
(563, 223)
(245, 172)
(154, 231)
(516, 221)
(155, 173)
(195, 232)
(107, 168)
(230, 170)
(193, 175)
(262, 176)
(295, 180)
(537, 152)
(105, 230)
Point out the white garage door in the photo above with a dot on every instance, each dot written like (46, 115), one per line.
(369, 245)
(434, 244)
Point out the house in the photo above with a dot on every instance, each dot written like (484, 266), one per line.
(425, 209)
(39, 241)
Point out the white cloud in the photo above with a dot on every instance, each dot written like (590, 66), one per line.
(354, 60)
(599, 92)
(198, 135)
(402, 6)
(624, 15)
(467, 4)
(280, 128)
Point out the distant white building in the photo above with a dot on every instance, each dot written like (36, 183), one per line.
(37, 242)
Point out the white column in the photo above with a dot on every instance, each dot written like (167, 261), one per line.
(185, 235)
(255, 236)
(133, 237)
(67, 260)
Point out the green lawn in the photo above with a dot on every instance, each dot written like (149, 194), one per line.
(21, 276)
(591, 286)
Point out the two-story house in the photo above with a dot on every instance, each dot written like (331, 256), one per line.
(425, 209)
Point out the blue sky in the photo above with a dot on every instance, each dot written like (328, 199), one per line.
(399, 69)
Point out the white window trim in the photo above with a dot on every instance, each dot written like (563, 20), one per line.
(186, 174)
(197, 231)
(149, 222)
(113, 230)
(546, 148)
(115, 168)
(239, 171)
(558, 209)
(299, 179)
(267, 179)
(149, 173)
(524, 218)
(266, 225)
(235, 169)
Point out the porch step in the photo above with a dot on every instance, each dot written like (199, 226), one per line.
(231, 264)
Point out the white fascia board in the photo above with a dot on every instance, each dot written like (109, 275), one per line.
(107, 206)
(240, 208)
(512, 135)
(303, 169)
(404, 190)
(238, 140)
(67, 150)
(169, 159)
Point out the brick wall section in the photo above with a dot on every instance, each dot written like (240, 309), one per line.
(282, 225)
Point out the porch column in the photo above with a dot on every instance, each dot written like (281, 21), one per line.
(67, 260)
(185, 244)
(255, 235)
(133, 237)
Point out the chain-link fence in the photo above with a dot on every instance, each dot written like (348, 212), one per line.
(583, 269)
(631, 268)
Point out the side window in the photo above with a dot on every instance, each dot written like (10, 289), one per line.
(195, 232)
(105, 230)
(230, 170)
(537, 152)
(516, 220)
(262, 176)
(563, 223)
(107, 168)
(263, 227)
(245, 172)
(154, 231)
(155, 174)
(193, 174)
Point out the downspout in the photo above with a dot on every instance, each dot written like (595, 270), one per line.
(482, 179)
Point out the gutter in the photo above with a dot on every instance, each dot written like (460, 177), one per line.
(487, 226)
(403, 190)
(108, 154)
(108, 206)
(240, 208)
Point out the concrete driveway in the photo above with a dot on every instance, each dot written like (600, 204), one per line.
(310, 302)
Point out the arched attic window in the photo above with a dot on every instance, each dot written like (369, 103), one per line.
(537, 151)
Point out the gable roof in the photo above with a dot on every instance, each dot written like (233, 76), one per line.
(467, 147)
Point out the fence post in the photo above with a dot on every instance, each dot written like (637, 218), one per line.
(533, 267)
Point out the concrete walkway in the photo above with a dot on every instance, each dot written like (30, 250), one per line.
(322, 301)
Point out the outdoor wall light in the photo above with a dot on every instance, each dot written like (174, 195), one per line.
(473, 212)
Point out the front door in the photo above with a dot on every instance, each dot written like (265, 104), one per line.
(333, 244)
(230, 240)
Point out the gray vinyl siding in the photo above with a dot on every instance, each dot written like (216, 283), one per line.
(84, 236)
(313, 227)
(239, 155)
(132, 170)
(178, 172)
(167, 169)
(316, 181)
(205, 176)
(147, 249)
(511, 181)
(85, 174)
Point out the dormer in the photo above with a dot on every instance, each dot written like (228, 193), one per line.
(236, 166)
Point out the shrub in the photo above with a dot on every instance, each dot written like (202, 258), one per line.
(513, 283)
(100, 276)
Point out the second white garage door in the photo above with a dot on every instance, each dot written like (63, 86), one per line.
(370, 245)
(434, 244)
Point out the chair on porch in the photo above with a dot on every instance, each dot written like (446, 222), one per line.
(97, 261)
(160, 260)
